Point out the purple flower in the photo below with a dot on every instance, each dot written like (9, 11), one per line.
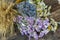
(30, 26)
(29, 30)
(37, 29)
(19, 18)
(35, 36)
(45, 31)
(41, 34)
(30, 20)
(25, 31)
(22, 32)
(39, 23)
(31, 33)
(46, 23)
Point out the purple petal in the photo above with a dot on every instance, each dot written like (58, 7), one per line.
(37, 29)
(30, 20)
(19, 18)
(41, 34)
(39, 23)
(35, 35)
(29, 29)
(22, 33)
(23, 27)
(46, 31)
(25, 32)
(45, 23)
(39, 26)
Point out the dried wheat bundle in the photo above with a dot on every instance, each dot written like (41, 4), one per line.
(7, 13)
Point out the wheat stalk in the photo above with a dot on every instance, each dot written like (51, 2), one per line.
(7, 13)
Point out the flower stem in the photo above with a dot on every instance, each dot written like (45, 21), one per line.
(29, 37)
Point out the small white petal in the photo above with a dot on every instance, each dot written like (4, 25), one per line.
(23, 24)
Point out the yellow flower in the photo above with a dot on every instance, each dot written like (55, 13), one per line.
(53, 22)
(49, 27)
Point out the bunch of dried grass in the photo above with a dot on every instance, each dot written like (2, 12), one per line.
(7, 13)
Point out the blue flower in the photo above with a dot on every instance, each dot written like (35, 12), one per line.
(27, 8)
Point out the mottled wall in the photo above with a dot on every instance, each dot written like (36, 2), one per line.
(53, 3)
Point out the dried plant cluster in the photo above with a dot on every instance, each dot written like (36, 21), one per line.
(35, 26)
(7, 13)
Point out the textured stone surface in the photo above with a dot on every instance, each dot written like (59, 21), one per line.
(56, 15)
(53, 3)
